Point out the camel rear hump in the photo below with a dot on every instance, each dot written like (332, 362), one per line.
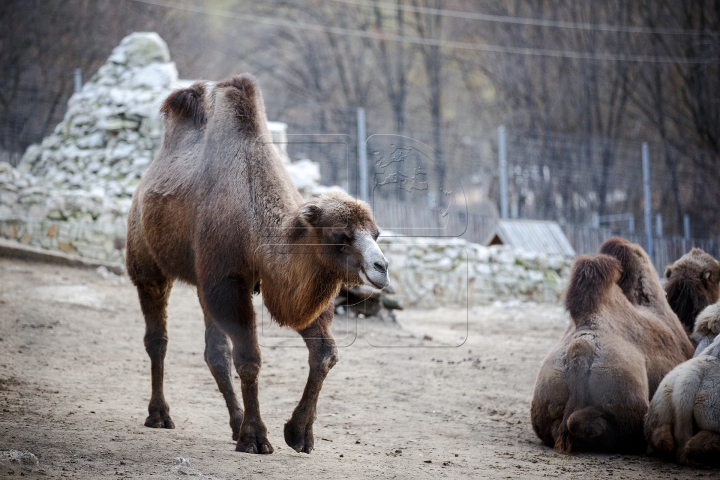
(243, 96)
(590, 281)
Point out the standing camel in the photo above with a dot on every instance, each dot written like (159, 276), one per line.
(217, 209)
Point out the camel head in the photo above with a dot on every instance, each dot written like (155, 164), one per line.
(693, 283)
(344, 234)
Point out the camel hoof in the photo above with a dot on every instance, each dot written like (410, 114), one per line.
(261, 448)
(298, 438)
(154, 421)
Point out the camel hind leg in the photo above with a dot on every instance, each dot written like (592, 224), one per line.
(229, 304)
(218, 356)
(154, 295)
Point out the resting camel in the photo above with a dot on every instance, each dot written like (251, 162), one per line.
(707, 327)
(594, 387)
(684, 416)
(693, 283)
(217, 209)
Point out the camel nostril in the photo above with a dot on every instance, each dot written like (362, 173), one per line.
(382, 268)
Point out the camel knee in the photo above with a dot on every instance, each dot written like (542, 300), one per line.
(325, 359)
(248, 371)
(156, 344)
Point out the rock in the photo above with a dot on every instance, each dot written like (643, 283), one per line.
(28, 458)
(23, 458)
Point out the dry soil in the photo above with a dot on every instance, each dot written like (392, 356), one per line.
(445, 395)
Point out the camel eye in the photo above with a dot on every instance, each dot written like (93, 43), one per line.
(342, 239)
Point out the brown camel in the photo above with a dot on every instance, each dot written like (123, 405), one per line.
(693, 283)
(594, 387)
(218, 210)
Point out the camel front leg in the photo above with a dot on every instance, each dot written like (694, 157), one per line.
(323, 355)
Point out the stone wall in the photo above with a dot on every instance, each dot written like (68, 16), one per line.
(427, 272)
(104, 242)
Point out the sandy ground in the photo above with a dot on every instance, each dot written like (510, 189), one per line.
(75, 382)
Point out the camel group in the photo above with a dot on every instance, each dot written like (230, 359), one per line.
(217, 209)
(623, 377)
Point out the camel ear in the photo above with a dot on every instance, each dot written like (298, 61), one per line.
(668, 271)
(311, 213)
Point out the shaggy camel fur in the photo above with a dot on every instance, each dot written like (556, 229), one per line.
(684, 416)
(707, 327)
(693, 283)
(217, 209)
(594, 387)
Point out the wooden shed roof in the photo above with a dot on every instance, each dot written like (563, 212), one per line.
(532, 236)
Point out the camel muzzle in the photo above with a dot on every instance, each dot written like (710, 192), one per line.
(374, 271)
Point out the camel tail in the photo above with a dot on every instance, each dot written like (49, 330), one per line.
(581, 422)
(590, 280)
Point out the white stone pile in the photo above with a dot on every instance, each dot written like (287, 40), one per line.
(429, 272)
(72, 191)
(88, 168)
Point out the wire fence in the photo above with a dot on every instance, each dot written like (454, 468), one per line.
(572, 179)
(421, 186)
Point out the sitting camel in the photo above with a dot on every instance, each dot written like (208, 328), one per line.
(693, 283)
(217, 209)
(684, 416)
(594, 387)
(707, 327)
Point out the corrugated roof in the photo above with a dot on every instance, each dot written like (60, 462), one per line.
(532, 236)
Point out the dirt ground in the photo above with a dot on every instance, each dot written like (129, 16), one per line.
(446, 395)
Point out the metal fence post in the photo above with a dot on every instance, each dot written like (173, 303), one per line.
(658, 225)
(686, 226)
(362, 155)
(646, 196)
(78, 80)
(502, 153)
